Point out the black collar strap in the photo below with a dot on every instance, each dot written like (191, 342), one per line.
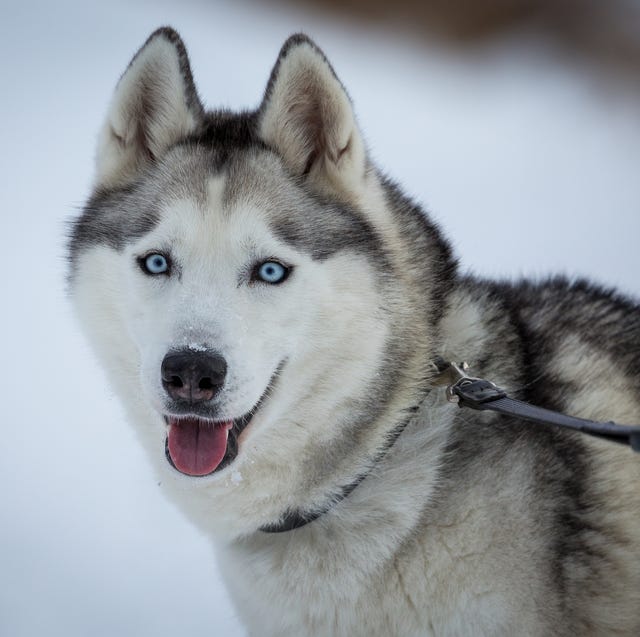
(295, 519)
(481, 394)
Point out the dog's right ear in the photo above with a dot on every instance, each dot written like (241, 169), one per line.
(155, 105)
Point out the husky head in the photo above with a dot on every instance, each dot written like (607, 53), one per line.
(264, 301)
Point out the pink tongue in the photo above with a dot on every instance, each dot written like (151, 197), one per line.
(196, 446)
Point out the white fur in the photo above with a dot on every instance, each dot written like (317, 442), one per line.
(255, 327)
(367, 567)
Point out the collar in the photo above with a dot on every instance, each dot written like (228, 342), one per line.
(293, 519)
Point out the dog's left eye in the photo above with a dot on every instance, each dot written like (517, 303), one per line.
(155, 263)
(271, 272)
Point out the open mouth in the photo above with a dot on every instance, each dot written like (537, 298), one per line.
(199, 446)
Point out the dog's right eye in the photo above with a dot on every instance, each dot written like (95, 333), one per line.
(154, 263)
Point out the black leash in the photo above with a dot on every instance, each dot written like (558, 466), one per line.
(482, 395)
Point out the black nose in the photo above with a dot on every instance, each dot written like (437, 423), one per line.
(193, 377)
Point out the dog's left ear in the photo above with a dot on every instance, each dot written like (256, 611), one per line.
(307, 117)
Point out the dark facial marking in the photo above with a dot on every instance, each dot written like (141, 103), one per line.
(112, 218)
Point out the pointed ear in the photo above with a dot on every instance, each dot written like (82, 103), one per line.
(155, 105)
(307, 117)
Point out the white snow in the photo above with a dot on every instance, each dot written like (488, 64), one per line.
(528, 159)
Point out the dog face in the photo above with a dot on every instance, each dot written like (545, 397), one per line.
(230, 273)
(226, 306)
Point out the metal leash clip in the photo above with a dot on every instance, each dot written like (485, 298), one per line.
(451, 374)
(463, 389)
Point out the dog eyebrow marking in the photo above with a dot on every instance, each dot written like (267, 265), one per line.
(317, 225)
(116, 217)
(107, 220)
(329, 228)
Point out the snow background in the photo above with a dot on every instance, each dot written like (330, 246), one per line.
(529, 159)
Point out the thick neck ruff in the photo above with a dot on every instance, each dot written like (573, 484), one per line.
(292, 520)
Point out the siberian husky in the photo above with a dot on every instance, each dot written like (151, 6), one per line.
(269, 306)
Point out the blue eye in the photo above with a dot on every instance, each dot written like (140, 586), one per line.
(155, 263)
(272, 272)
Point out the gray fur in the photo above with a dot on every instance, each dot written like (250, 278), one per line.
(460, 523)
